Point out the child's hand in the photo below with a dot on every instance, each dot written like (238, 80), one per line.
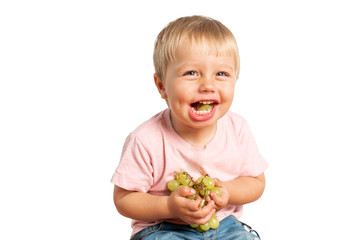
(189, 210)
(220, 201)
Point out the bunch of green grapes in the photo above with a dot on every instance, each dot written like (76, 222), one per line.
(204, 185)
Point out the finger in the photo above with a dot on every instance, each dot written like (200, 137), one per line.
(215, 197)
(200, 216)
(204, 216)
(209, 216)
(219, 201)
(209, 206)
(185, 191)
(218, 182)
(195, 204)
(203, 212)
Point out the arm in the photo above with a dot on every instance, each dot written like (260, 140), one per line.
(148, 207)
(140, 206)
(245, 190)
(241, 190)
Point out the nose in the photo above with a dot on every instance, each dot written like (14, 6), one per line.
(207, 84)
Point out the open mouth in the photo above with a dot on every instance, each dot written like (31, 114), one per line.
(202, 107)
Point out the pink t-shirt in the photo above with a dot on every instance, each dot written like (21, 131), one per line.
(154, 151)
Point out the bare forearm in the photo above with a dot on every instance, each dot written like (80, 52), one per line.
(143, 206)
(245, 190)
(176, 207)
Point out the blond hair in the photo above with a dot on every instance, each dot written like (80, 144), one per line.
(211, 33)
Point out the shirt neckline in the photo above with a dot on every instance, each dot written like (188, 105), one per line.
(184, 144)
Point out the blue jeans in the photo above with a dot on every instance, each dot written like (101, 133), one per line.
(229, 229)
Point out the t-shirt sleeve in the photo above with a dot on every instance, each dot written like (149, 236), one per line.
(134, 172)
(254, 163)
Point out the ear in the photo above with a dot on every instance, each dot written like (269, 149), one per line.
(160, 86)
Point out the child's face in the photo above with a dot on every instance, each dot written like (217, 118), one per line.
(198, 87)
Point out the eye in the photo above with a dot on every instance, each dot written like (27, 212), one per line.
(222, 74)
(191, 73)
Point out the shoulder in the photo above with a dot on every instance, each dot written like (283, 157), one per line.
(237, 126)
(234, 121)
(234, 116)
(150, 129)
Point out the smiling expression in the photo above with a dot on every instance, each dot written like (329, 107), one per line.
(198, 86)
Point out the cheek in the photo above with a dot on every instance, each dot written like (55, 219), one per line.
(176, 98)
(228, 93)
(181, 92)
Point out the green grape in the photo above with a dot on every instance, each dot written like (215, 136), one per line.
(205, 227)
(214, 222)
(184, 178)
(205, 107)
(178, 174)
(199, 180)
(196, 187)
(217, 190)
(199, 229)
(173, 184)
(204, 185)
(194, 225)
(209, 182)
(202, 204)
(205, 192)
(206, 182)
(193, 197)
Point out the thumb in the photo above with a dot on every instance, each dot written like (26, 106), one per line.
(185, 191)
(218, 182)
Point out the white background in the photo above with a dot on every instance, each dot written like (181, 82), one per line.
(76, 78)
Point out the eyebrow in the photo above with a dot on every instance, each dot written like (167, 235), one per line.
(227, 66)
(186, 65)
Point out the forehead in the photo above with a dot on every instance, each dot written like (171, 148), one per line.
(205, 47)
(194, 55)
